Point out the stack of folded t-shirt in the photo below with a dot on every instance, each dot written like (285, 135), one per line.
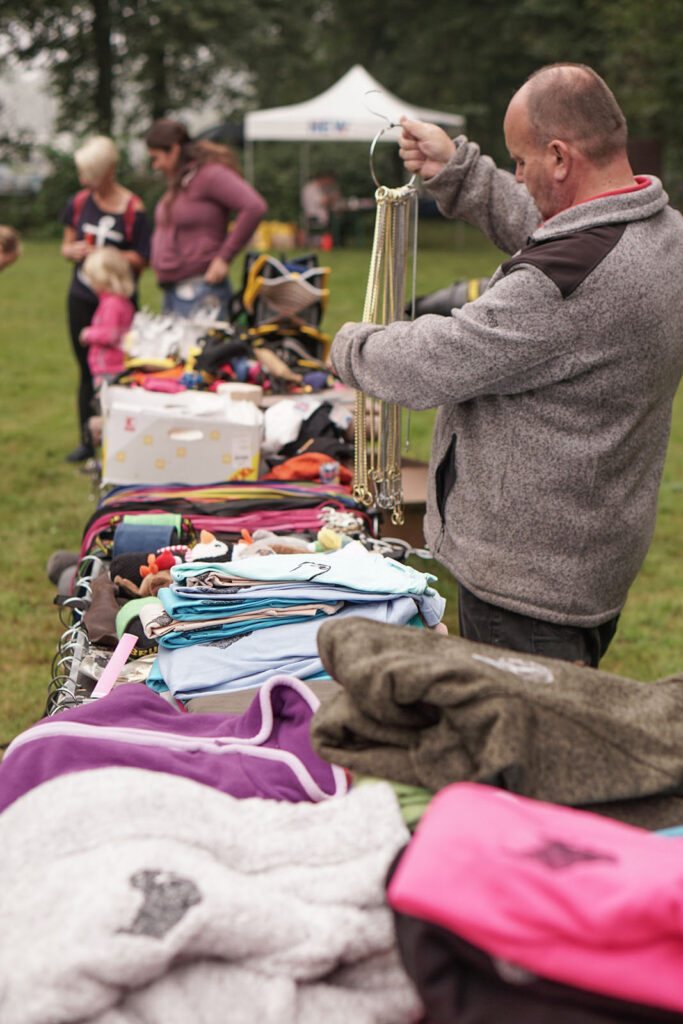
(230, 626)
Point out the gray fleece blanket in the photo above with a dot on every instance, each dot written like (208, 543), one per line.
(134, 897)
(430, 710)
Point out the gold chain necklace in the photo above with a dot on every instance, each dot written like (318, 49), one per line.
(377, 457)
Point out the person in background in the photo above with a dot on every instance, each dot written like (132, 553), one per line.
(10, 246)
(318, 198)
(554, 388)
(109, 275)
(204, 219)
(102, 213)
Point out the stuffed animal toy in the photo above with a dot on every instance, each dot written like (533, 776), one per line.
(265, 542)
(154, 575)
(209, 549)
(150, 586)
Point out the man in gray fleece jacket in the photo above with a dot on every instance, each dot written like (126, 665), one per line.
(554, 387)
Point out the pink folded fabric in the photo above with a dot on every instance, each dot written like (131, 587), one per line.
(166, 384)
(572, 896)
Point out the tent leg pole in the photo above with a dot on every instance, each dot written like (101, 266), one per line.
(304, 175)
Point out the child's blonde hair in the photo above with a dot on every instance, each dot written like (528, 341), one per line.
(108, 270)
(95, 159)
(10, 242)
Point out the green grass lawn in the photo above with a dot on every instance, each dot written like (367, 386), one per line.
(45, 501)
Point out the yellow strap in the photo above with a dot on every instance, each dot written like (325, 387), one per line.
(253, 285)
(473, 289)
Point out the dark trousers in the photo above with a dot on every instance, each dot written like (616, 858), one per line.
(80, 314)
(489, 624)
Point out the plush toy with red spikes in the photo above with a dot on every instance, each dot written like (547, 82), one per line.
(155, 575)
(157, 563)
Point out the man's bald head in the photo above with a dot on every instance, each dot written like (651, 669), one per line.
(571, 102)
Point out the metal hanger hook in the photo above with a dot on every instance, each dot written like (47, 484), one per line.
(390, 124)
(374, 142)
(377, 113)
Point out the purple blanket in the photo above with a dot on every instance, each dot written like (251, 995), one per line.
(264, 752)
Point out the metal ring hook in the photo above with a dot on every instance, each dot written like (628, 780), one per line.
(374, 142)
(378, 136)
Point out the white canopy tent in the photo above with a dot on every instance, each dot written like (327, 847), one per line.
(354, 109)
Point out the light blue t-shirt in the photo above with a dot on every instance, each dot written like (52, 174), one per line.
(351, 566)
(241, 662)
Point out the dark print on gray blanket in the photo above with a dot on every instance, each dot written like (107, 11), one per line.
(168, 897)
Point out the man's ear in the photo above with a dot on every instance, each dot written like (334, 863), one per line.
(561, 159)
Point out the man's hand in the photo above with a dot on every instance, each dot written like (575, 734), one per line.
(424, 148)
(217, 271)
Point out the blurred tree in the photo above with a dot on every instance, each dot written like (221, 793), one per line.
(171, 55)
(450, 56)
(115, 65)
(74, 44)
(289, 49)
(644, 67)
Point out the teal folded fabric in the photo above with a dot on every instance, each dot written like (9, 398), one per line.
(156, 519)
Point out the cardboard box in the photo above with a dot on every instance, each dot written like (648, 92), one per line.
(191, 437)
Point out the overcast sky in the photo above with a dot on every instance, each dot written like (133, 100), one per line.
(26, 105)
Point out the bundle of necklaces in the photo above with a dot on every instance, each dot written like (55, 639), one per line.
(377, 453)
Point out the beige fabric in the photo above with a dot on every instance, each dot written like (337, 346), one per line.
(238, 702)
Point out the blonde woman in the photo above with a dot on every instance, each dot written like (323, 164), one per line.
(102, 213)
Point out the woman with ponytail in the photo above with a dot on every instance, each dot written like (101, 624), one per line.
(206, 216)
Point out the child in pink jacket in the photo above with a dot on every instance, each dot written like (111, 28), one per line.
(110, 277)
